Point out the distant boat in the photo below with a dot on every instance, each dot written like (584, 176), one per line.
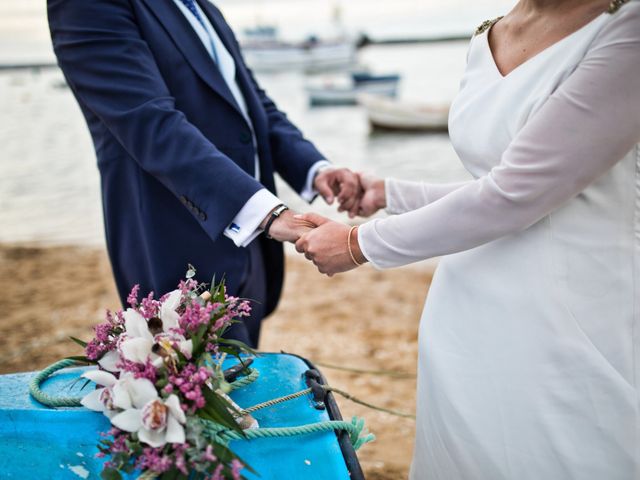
(261, 33)
(346, 93)
(387, 114)
(311, 55)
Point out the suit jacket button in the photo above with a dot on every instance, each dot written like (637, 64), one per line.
(183, 199)
(189, 204)
(245, 137)
(202, 216)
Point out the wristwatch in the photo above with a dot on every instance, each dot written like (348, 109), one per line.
(279, 210)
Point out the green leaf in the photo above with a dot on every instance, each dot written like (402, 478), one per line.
(78, 341)
(110, 474)
(170, 474)
(218, 407)
(243, 347)
(81, 358)
(217, 290)
(198, 340)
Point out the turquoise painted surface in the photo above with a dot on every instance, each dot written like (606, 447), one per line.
(40, 442)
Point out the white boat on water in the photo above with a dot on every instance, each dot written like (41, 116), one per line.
(310, 55)
(345, 91)
(384, 113)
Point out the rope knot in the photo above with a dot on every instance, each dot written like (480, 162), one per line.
(358, 435)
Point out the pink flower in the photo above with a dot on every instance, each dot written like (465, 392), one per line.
(236, 468)
(132, 299)
(153, 459)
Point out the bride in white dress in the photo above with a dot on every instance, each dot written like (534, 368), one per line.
(529, 364)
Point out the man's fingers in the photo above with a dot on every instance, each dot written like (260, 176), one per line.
(313, 218)
(301, 244)
(324, 188)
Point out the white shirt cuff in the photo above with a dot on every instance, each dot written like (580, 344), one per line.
(243, 229)
(309, 193)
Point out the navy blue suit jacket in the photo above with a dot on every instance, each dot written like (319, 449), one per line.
(175, 154)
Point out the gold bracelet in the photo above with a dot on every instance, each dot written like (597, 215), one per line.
(353, 257)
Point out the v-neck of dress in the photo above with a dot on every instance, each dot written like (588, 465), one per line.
(541, 53)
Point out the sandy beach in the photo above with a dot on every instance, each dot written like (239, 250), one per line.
(364, 319)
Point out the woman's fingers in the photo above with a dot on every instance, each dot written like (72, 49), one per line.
(301, 244)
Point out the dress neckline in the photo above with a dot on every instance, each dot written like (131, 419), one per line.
(541, 53)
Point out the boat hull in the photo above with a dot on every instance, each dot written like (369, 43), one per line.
(349, 95)
(310, 58)
(393, 115)
(40, 442)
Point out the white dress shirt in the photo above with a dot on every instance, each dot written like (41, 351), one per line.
(244, 228)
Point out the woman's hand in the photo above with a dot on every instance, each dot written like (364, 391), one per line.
(374, 195)
(327, 246)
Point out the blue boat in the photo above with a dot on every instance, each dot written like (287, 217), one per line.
(345, 91)
(366, 78)
(41, 442)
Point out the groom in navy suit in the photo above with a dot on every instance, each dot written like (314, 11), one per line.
(187, 146)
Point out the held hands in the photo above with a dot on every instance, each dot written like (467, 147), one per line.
(357, 193)
(331, 246)
(340, 183)
(288, 227)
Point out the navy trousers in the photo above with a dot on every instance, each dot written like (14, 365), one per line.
(254, 288)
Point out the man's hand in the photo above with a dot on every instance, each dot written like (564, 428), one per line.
(340, 183)
(288, 227)
(327, 245)
(374, 197)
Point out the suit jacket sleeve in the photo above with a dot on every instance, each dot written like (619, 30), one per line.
(293, 155)
(112, 72)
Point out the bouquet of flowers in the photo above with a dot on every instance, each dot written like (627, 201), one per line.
(160, 377)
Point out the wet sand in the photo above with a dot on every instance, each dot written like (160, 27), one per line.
(363, 319)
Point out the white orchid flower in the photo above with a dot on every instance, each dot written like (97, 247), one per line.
(156, 422)
(109, 361)
(138, 344)
(168, 313)
(109, 397)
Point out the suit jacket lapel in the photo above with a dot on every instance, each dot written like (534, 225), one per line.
(191, 47)
(242, 75)
(217, 21)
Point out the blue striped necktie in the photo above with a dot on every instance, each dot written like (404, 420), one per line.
(191, 5)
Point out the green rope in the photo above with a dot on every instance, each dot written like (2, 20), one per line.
(220, 434)
(251, 377)
(355, 429)
(50, 401)
(46, 399)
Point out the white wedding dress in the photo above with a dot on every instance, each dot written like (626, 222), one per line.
(529, 365)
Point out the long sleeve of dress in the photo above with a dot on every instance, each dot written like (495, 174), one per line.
(406, 195)
(585, 127)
